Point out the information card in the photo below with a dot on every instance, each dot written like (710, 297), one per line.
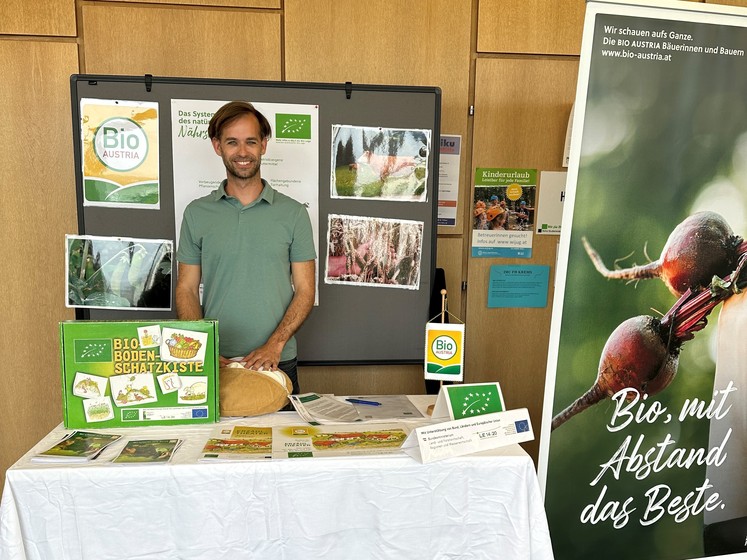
(469, 435)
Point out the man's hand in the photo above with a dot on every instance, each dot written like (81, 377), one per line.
(264, 358)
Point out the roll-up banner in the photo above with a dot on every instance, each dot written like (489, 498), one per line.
(644, 436)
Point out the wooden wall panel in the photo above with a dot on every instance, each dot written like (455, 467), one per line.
(385, 42)
(530, 26)
(521, 112)
(212, 3)
(450, 259)
(37, 208)
(169, 41)
(738, 3)
(38, 17)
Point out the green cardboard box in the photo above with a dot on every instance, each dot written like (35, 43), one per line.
(139, 373)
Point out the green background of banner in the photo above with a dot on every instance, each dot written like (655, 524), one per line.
(671, 128)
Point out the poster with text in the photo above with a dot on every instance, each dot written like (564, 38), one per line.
(290, 164)
(550, 206)
(644, 434)
(518, 285)
(503, 212)
(120, 153)
(448, 179)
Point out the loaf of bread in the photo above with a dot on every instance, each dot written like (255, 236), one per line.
(247, 392)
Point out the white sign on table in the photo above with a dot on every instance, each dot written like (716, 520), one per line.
(468, 435)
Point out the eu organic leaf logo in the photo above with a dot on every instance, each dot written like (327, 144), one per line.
(473, 400)
(130, 415)
(293, 126)
(93, 350)
(476, 403)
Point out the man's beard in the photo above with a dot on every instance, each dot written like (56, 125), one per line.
(244, 173)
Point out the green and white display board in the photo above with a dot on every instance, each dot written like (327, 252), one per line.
(139, 373)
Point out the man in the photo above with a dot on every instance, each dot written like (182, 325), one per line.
(252, 247)
(522, 215)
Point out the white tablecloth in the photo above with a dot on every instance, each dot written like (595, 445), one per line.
(481, 506)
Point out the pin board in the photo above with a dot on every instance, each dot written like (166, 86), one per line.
(369, 171)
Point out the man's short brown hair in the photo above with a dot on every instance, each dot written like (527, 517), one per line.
(232, 111)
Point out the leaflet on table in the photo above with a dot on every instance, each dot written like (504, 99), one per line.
(323, 409)
(291, 442)
(76, 447)
(381, 408)
(326, 409)
(238, 443)
(469, 435)
(148, 451)
(241, 443)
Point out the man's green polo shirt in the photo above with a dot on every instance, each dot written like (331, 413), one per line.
(245, 254)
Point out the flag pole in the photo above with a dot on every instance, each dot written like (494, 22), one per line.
(429, 410)
(443, 320)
